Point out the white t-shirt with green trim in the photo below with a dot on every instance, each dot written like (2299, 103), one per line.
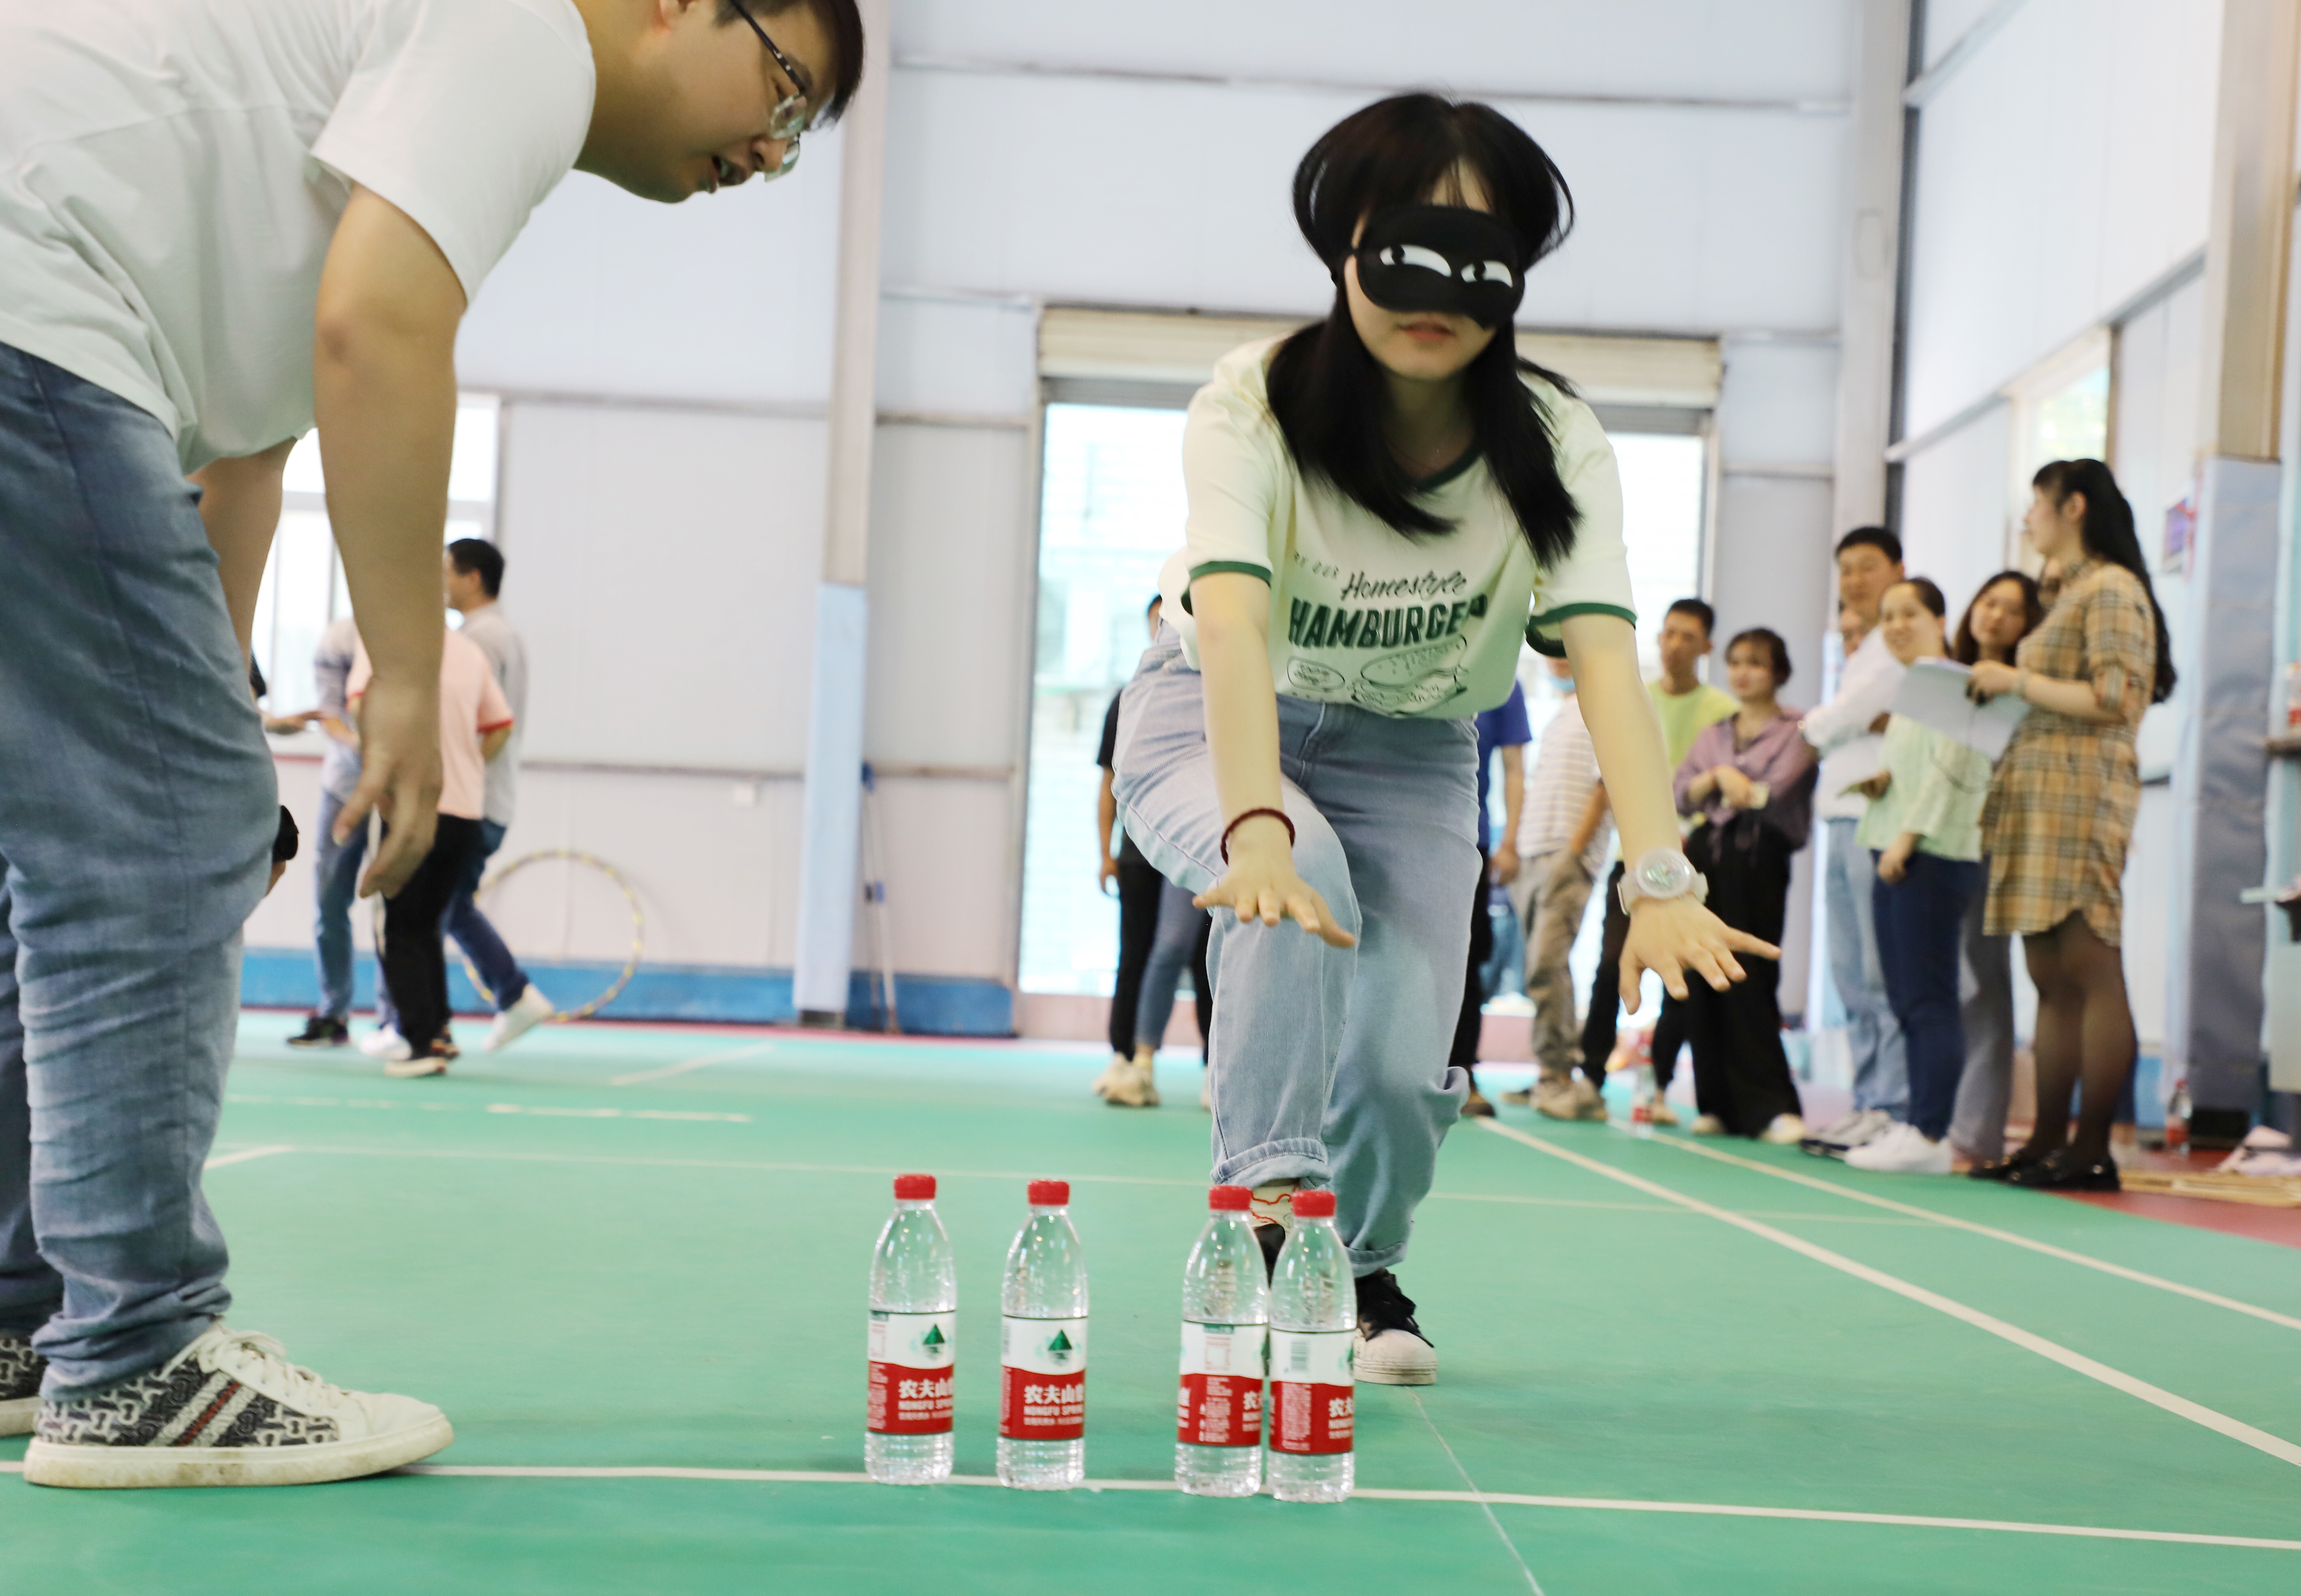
(1360, 614)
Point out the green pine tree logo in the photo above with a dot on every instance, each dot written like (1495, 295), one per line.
(934, 1337)
(1060, 1348)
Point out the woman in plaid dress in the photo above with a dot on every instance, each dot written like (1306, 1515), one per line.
(2060, 813)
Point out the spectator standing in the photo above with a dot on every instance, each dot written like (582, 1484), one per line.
(1502, 729)
(473, 577)
(336, 868)
(1749, 779)
(1686, 706)
(1562, 845)
(1924, 825)
(2061, 810)
(2005, 611)
(1847, 732)
(474, 723)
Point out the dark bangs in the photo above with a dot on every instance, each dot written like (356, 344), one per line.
(1326, 389)
(843, 24)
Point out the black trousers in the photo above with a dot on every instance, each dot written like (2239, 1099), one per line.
(1741, 1073)
(1465, 1055)
(1139, 886)
(414, 957)
(1598, 1027)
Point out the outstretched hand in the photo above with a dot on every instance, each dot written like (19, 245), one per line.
(399, 775)
(1262, 884)
(1671, 936)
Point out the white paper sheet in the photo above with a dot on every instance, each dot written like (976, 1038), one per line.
(1935, 693)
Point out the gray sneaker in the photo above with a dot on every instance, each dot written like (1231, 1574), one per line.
(21, 1369)
(229, 1409)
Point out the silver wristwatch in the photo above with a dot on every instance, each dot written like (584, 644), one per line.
(1663, 872)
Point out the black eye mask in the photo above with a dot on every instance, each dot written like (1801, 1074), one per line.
(1445, 258)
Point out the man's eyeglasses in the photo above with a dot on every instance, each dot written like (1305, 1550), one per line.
(791, 113)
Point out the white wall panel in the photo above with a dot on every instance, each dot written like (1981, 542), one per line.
(662, 565)
(1755, 48)
(1954, 522)
(1947, 22)
(2061, 170)
(951, 878)
(1778, 404)
(968, 358)
(1176, 196)
(726, 297)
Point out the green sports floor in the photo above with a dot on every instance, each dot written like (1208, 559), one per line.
(629, 1263)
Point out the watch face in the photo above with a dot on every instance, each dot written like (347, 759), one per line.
(1665, 875)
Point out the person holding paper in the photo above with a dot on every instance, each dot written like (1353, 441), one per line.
(2060, 813)
(1924, 828)
(1844, 732)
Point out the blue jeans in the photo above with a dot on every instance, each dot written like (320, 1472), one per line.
(1328, 1064)
(136, 813)
(1920, 925)
(1882, 1070)
(474, 934)
(335, 881)
(1171, 947)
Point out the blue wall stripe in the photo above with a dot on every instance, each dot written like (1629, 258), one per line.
(727, 994)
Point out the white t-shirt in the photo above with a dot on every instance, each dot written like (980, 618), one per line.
(172, 172)
(1360, 614)
(1839, 731)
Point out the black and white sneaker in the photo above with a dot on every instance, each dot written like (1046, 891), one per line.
(21, 1369)
(229, 1409)
(1392, 1349)
(322, 1031)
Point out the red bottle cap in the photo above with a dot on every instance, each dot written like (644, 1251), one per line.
(1050, 1194)
(914, 1188)
(1314, 1205)
(1229, 1199)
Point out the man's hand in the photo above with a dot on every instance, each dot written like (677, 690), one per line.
(1502, 863)
(1873, 787)
(1893, 864)
(400, 777)
(288, 725)
(1107, 878)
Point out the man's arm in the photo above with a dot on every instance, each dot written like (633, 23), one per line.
(1106, 816)
(491, 743)
(1505, 861)
(1593, 815)
(1862, 697)
(383, 386)
(239, 506)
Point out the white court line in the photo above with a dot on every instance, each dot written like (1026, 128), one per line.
(2196, 1413)
(1596, 1504)
(488, 1156)
(242, 1156)
(2011, 1238)
(1471, 1486)
(539, 1111)
(668, 1071)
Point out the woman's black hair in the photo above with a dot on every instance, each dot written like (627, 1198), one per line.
(1967, 649)
(1326, 390)
(2109, 535)
(1765, 637)
(1929, 592)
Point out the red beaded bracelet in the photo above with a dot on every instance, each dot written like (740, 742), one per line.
(1239, 820)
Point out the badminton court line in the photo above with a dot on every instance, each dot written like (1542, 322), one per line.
(222, 1160)
(2011, 1238)
(1471, 1486)
(641, 1077)
(2181, 1407)
(774, 1477)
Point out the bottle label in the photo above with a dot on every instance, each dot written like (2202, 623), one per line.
(1042, 1378)
(1220, 1403)
(910, 1373)
(1311, 1387)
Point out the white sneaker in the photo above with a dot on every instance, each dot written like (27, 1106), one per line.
(1589, 1103)
(1903, 1149)
(1392, 1349)
(1863, 1124)
(1784, 1130)
(1111, 1073)
(1709, 1124)
(1552, 1097)
(384, 1042)
(1133, 1084)
(516, 1022)
(431, 1062)
(229, 1409)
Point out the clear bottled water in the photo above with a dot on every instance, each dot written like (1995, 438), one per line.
(914, 1303)
(1043, 1349)
(1314, 1332)
(1644, 1094)
(1226, 1329)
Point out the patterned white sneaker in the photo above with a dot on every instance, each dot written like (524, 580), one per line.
(516, 1022)
(229, 1409)
(21, 1369)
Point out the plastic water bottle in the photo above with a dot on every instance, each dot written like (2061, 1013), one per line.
(914, 1303)
(1314, 1333)
(1226, 1329)
(1043, 1349)
(1643, 1093)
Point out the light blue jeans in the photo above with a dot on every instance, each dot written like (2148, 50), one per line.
(335, 876)
(136, 813)
(1328, 1064)
(1881, 1065)
(1171, 947)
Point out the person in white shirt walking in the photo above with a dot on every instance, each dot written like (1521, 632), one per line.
(1848, 733)
(221, 224)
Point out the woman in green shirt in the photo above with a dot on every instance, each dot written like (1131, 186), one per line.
(1924, 825)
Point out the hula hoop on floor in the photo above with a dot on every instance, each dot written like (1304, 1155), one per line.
(502, 873)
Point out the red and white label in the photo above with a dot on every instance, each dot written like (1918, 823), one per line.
(1220, 1403)
(911, 1361)
(1310, 1390)
(1042, 1379)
